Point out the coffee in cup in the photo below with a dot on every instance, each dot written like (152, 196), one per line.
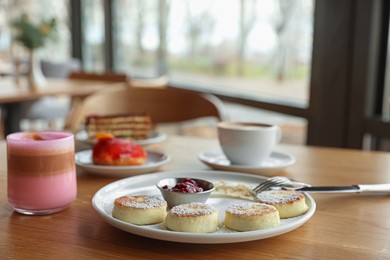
(246, 143)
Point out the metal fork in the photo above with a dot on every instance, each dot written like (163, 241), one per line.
(279, 181)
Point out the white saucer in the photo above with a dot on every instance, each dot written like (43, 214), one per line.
(277, 161)
(155, 137)
(153, 162)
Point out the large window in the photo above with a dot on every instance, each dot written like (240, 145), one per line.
(241, 47)
(256, 50)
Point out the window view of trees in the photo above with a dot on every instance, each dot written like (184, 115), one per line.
(93, 35)
(57, 50)
(257, 46)
(251, 47)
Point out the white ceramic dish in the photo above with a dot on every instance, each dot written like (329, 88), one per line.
(156, 137)
(153, 162)
(146, 185)
(277, 161)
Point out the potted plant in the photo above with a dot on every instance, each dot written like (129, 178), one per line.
(34, 36)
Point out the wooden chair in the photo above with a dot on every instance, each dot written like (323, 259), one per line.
(77, 101)
(108, 76)
(165, 105)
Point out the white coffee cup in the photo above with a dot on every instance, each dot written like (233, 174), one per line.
(246, 143)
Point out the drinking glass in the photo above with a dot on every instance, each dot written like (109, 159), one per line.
(41, 171)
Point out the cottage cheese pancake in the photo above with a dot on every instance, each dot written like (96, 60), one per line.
(140, 210)
(193, 217)
(251, 216)
(289, 203)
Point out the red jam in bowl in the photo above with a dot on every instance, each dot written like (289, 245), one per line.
(186, 186)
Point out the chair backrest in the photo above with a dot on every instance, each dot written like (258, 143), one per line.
(73, 115)
(107, 76)
(165, 105)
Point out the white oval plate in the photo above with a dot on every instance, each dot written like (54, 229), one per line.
(156, 137)
(103, 202)
(217, 160)
(152, 163)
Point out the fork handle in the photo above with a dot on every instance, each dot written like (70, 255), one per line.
(366, 188)
(332, 189)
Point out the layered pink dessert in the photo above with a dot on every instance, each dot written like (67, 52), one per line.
(41, 171)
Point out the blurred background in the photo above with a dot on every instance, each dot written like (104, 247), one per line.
(316, 68)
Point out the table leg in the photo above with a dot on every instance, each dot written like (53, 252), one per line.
(11, 117)
(72, 120)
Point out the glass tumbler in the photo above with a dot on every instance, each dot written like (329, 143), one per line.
(41, 171)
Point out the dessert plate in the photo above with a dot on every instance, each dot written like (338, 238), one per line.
(152, 163)
(155, 137)
(277, 161)
(103, 202)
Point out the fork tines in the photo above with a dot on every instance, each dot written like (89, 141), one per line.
(269, 183)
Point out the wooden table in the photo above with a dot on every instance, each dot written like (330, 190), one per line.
(12, 94)
(350, 226)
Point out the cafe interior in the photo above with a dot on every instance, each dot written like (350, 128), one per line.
(316, 71)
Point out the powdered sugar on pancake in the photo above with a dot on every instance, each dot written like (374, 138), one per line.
(251, 209)
(193, 209)
(139, 202)
(279, 196)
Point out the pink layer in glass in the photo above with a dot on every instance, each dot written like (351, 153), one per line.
(42, 192)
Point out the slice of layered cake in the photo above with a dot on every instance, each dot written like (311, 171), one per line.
(135, 125)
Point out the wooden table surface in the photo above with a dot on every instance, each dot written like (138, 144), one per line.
(12, 94)
(349, 226)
